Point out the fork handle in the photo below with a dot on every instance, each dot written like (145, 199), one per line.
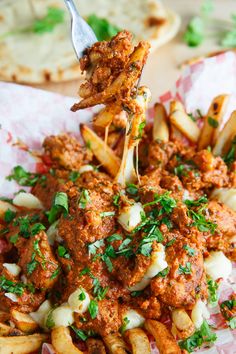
(71, 7)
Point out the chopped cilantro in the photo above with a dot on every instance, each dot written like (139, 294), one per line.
(93, 309)
(82, 295)
(73, 176)
(84, 271)
(63, 252)
(201, 336)
(232, 322)
(163, 273)
(213, 122)
(107, 214)
(132, 189)
(125, 323)
(60, 205)
(114, 237)
(230, 304)
(180, 170)
(12, 287)
(136, 293)
(170, 243)
(201, 222)
(36, 228)
(93, 247)
(198, 202)
(55, 273)
(116, 199)
(190, 251)
(49, 320)
(14, 238)
(230, 156)
(212, 292)
(22, 177)
(84, 199)
(185, 269)
(103, 29)
(9, 216)
(167, 203)
(79, 333)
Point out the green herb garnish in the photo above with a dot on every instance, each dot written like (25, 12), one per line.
(213, 122)
(93, 309)
(185, 269)
(103, 29)
(84, 199)
(60, 205)
(63, 252)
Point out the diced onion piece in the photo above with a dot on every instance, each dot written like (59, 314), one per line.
(27, 200)
(11, 296)
(76, 304)
(199, 313)
(62, 316)
(158, 263)
(130, 216)
(4, 206)
(133, 319)
(52, 234)
(86, 168)
(226, 196)
(12, 268)
(217, 265)
(40, 315)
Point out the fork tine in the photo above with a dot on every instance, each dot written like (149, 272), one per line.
(81, 33)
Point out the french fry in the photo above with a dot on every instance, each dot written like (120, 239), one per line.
(23, 321)
(181, 120)
(212, 122)
(95, 346)
(138, 341)
(160, 125)
(225, 137)
(115, 344)
(21, 344)
(127, 77)
(183, 323)
(62, 341)
(101, 151)
(164, 340)
(4, 206)
(106, 115)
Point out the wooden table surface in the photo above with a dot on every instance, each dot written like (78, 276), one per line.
(163, 66)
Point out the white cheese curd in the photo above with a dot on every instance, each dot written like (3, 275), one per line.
(132, 319)
(12, 297)
(158, 263)
(130, 216)
(61, 316)
(199, 313)
(52, 234)
(226, 196)
(217, 265)
(79, 300)
(12, 268)
(85, 168)
(27, 200)
(40, 315)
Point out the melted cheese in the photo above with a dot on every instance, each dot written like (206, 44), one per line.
(40, 315)
(158, 263)
(130, 216)
(199, 313)
(13, 268)
(76, 304)
(133, 319)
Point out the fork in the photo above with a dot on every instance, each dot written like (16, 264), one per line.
(82, 34)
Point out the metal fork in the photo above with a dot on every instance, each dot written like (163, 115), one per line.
(82, 34)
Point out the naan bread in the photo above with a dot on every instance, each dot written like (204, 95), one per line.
(36, 59)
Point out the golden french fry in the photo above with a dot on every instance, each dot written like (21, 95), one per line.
(183, 323)
(181, 120)
(95, 346)
(115, 344)
(138, 340)
(23, 321)
(160, 125)
(21, 344)
(101, 151)
(164, 340)
(62, 341)
(4, 206)
(105, 116)
(225, 137)
(128, 77)
(4, 316)
(212, 122)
